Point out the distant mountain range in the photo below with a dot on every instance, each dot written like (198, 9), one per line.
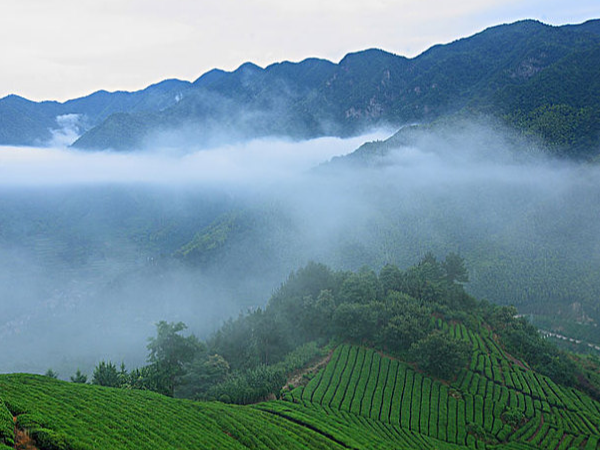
(542, 79)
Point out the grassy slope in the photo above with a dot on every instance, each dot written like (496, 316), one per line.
(62, 415)
(361, 400)
(91, 417)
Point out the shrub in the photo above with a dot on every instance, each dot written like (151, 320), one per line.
(441, 355)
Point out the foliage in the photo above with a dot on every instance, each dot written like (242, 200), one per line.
(523, 340)
(200, 375)
(84, 417)
(256, 384)
(318, 304)
(467, 376)
(169, 351)
(484, 405)
(51, 374)
(79, 377)
(440, 355)
(512, 416)
(408, 322)
(7, 427)
(106, 374)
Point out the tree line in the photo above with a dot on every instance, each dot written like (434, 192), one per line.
(396, 311)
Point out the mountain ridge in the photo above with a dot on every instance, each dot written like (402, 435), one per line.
(316, 97)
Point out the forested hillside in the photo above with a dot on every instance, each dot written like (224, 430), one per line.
(524, 223)
(537, 78)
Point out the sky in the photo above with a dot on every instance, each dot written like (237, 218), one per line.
(62, 49)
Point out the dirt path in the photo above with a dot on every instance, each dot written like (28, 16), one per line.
(22, 439)
(538, 429)
(298, 378)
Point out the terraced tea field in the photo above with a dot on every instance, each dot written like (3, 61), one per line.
(60, 415)
(360, 400)
(473, 410)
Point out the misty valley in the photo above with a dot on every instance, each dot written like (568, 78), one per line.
(371, 254)
(105, 261)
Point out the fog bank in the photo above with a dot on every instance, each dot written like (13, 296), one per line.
(97, 247)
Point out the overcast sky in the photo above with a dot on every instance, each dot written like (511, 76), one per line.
(61, 49)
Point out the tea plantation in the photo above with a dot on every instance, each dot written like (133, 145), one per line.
(362, 399)
(496, 400)
(406, 360)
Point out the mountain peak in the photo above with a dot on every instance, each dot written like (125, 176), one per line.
(248, 68)
(369, 54)
(209, 77)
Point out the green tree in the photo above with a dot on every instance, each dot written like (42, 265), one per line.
(317, 314)
(106, 374)
(51, 374)
(409, 322)
(123, 375)
(441, 355)
(361, 287)
(391, 278)
(202, 374)
(169, 351)
(145, 378)
(454, 267)
(79, 377)
(358, 322)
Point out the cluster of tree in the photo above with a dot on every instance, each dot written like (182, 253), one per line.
(178, 365)
(392, 311)
(396, 311)
(524, 341)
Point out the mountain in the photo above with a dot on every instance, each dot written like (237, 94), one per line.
(538, 78)
(23, 122)
(489, 72)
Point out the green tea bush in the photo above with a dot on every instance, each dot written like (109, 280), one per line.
(7, 433)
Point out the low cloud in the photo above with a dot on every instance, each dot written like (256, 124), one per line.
(69, 129)
(258, 161)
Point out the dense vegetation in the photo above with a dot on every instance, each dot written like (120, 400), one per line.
(392, 311)
(62, 416)
(403, 313)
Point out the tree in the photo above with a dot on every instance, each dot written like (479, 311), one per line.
(309, 280)
(51, 374)
(235, 343)
(105, 374)
(361, 287)
(144, 378)
(123, 375)
(169, 351)
(441, 355)
(391, 278)
(79, 377)
(316, 316)
(269, 336)
(454, 267)
(409, 322)
(202, 374)
(358, 322)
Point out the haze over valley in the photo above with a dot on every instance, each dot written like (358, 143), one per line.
(109, 243)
